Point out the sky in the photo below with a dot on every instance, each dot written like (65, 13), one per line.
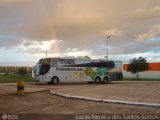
(29, 28)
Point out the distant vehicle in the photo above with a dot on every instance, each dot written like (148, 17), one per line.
(55, 70)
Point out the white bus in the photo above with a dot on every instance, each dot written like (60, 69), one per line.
(55, 70)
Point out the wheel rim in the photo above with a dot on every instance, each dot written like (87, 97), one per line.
(106, 80)
(55, 81)
(97, 80)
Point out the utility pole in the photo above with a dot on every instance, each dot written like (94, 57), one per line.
(107, 46)
(46, 53)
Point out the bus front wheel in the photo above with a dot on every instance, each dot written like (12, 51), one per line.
(54, 80)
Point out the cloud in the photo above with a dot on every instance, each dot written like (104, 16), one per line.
(78, 53)
(79, 26)
(113, 32)
(154, 31)
(150, 45)
(36, 47)
(146, 13)
(9, 41)
(145, 36)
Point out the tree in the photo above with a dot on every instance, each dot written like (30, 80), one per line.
(138, 65)
(22, 72)
(87, 57)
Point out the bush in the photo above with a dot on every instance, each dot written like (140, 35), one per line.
(6, 73)
(22, 72)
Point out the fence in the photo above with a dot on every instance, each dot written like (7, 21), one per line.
(14, 69)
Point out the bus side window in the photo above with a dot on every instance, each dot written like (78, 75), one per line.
(55, 62)
(68, 62)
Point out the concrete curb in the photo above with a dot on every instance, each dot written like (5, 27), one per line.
(107, 100)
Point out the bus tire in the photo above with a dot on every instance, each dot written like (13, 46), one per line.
(97, 80)
(106, 80)
(54, 80)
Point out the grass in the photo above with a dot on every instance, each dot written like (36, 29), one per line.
(13, 78)
(140, 79)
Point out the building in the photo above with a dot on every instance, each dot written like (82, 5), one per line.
(152, 73)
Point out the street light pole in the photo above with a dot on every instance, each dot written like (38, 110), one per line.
(107, 46)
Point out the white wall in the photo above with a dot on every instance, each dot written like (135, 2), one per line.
(146, 74)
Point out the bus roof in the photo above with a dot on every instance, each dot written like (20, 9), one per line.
(76, 58)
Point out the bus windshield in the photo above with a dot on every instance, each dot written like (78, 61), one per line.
(44, 65)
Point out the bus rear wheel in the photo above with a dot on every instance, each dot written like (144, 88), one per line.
(105, 80)
(97, 80)
(54, 80)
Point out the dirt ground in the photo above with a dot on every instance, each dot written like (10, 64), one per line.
(43, 105)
